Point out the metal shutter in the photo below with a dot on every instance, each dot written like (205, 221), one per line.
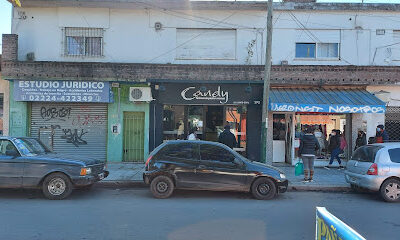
(71, 128)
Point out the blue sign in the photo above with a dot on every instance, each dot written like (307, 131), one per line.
(329, 227)
(322, 108)
(62, 91)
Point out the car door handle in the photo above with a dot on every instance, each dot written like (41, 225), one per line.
(202, 167)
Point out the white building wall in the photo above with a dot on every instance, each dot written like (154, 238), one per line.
(130, 36)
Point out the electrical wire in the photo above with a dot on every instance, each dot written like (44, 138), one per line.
(180, 45)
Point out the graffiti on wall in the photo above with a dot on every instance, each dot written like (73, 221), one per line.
(74, 136)
(326, 108)
(55, 113)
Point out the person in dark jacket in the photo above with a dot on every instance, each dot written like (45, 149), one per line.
(308, 147)
(227, 138)
(361, 139)
(381, 134)
(334, 148)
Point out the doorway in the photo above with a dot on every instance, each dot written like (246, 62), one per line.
(133, 144)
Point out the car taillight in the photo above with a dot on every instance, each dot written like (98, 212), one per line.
(148, 160)
(373, 170)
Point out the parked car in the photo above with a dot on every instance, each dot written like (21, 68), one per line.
(28, 163)
(376, 167)
(202, 165)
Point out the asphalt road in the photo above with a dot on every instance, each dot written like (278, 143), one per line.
(134, 214)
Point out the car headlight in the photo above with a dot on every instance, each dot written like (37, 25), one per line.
(282, 175)
(86, 171)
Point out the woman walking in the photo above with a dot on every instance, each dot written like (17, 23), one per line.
(308, 146)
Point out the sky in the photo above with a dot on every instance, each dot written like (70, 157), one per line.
(5, 12)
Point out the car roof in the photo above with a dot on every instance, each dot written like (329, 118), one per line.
(194, 141)
(389, 145)
(11, 137)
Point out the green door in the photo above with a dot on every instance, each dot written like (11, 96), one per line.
(133, 137)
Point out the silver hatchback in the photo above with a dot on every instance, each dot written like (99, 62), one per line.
(376, 167)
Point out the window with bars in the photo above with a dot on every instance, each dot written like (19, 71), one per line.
(83, 42)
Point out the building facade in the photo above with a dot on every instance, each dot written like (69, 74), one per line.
(171, 67)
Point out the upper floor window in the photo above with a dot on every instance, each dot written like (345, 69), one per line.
(317, 50)
(83, 42)
(205, 44)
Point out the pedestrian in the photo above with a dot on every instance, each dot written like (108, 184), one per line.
(192, 134)
(308, 147)
(381, 134)
(321, 140)
(343, 142)
(334, 148)
(227, 138)
(361, 139)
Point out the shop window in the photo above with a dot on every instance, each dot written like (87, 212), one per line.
(83, 42)
(174, 122)
(215, 153)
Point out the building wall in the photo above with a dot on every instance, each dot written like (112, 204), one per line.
(393, 96)
(130, 35)
(116, 115)
(4, 89)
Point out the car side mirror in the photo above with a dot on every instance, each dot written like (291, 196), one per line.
(12, 153)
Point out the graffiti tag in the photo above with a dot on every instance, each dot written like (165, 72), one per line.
(53, 113)
(74, 136)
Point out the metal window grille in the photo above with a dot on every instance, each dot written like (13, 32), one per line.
(392, 123)
(83, 42)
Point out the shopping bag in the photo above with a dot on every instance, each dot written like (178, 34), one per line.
(298, 168)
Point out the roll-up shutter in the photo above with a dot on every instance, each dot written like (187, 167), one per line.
(71, 128)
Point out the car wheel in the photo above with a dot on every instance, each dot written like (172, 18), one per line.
(263, 189)
(57, 186)
(390, 190)
(162, 187)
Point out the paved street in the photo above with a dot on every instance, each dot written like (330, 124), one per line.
(134, 214)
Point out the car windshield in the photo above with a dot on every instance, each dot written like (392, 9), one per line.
(31, 146)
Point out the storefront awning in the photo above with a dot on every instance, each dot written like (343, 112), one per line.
(324, 101)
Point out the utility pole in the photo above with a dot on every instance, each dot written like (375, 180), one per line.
(267, 74)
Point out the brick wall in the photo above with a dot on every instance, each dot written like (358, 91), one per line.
(10, 47)
(281, 75)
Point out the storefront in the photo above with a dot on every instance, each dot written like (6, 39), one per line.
(84, 118)
(205, 109)
(322, 110)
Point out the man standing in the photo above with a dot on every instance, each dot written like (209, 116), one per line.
(381, 134)
(227, 138)
(308, 146)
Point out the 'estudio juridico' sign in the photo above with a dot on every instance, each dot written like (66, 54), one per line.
(62, 91)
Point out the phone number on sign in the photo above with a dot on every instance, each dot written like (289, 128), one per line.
(63, 98)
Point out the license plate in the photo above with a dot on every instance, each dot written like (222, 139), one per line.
(101, 176)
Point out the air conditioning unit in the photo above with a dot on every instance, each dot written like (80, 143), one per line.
(140, 94)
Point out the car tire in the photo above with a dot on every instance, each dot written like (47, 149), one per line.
(57, 186)
(263, 189)
(162, 186)
(390, 190)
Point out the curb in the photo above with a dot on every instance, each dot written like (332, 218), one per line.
(121, 184)
(299, 188)
(291, 188)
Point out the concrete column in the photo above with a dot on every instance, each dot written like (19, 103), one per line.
(5, 90)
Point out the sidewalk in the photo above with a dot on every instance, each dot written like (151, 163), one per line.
(130, 175)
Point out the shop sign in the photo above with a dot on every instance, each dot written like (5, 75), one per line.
(211, 94)
(285, 107)
(329, 227)
(62, 91)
